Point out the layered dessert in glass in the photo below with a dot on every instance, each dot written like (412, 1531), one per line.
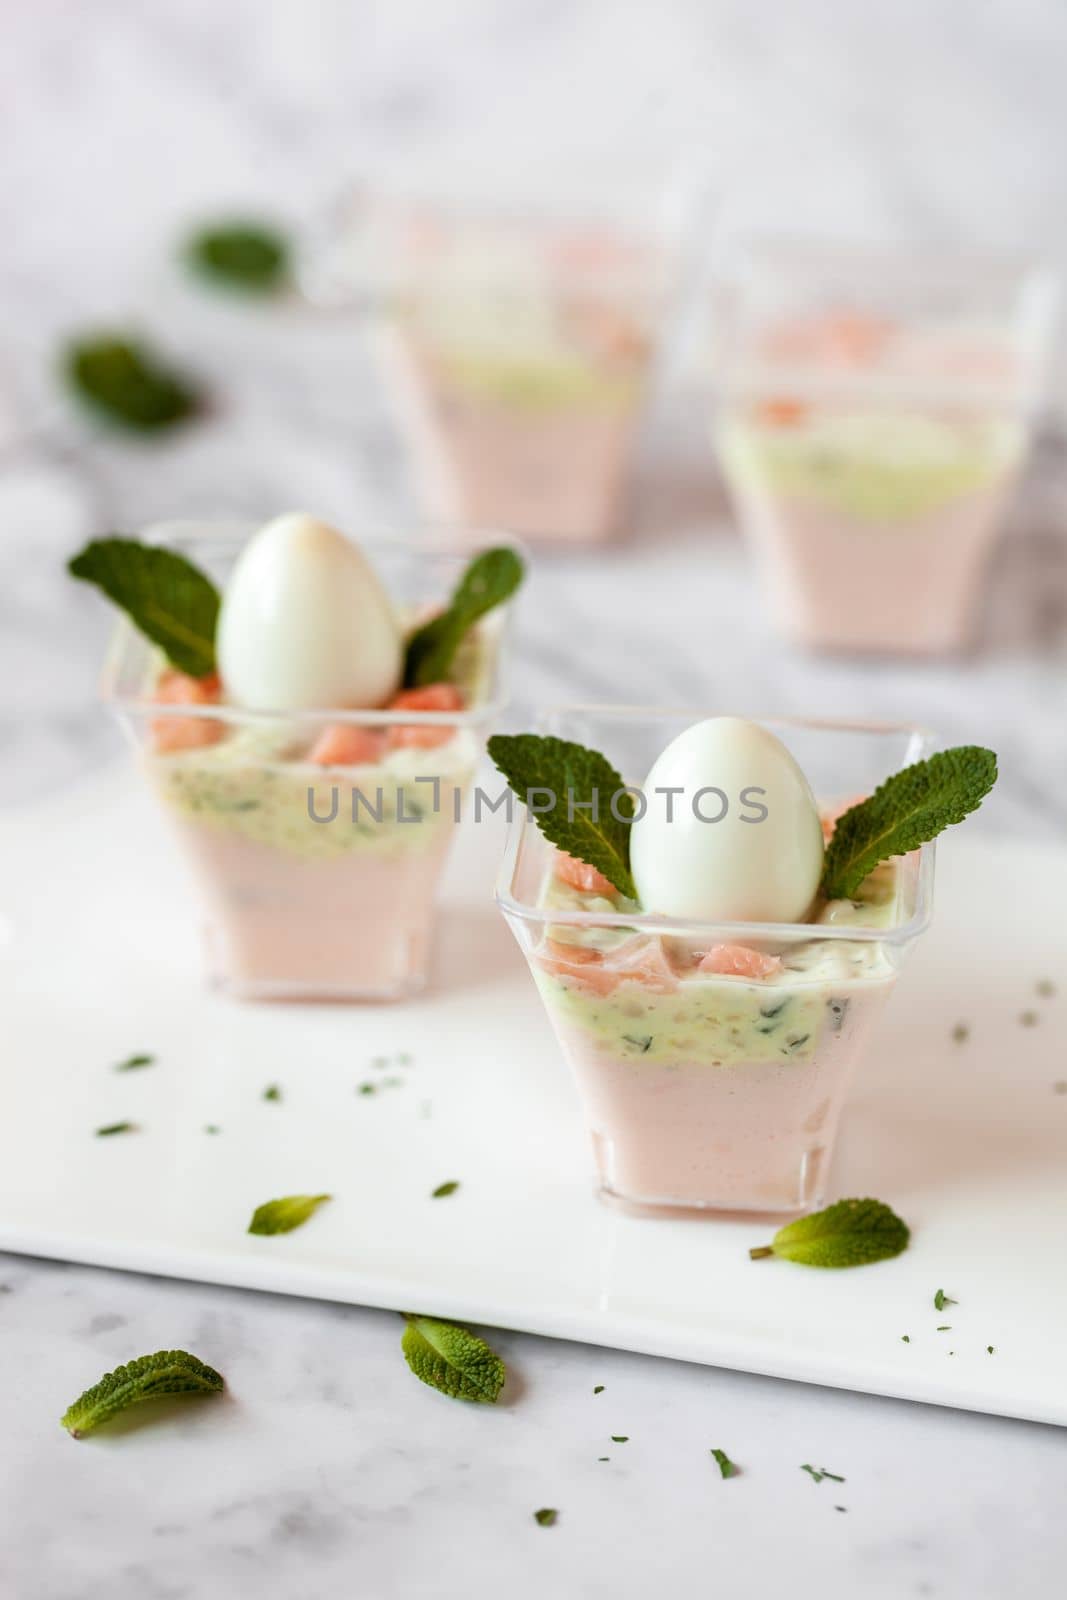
(313, 792)
(713, 1058)
(517, 353)
(874, 413)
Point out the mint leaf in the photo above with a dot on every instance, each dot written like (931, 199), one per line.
(126, 383)
(620, 1438)
(444, 1189)
(821, 1474)
(115, 1127)
(941, 1300)
(272, 1092)
(132, 1063)
(546, 1516)
(248, 256)
(904, 812)
(726, 1467)
(172, 602)
(490, 579)
(849, 1233)
(282, 1216)
(452, 1359)
(166, 1372)
(598, 1388)
(560, 778)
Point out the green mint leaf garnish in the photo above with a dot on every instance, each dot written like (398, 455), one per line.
(944, 1327)
(128, 384)
(282, 1216)
(249, 256)
(620, 1438)
(727, 1468)
(546, 1516)
(941, 1300)
(904, 812)
(598, 1388)
(821, 1473)
(445, 1188)
(167, 1372)
(452, 1359)
(905, 1338)
(490, 579)
(560, 779)
(132, 1063)
(849, 1233)
(989, 1349)
(272, 1092)
(165, 596)
(115, 1127)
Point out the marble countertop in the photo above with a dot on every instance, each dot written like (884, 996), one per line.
(328, 1471)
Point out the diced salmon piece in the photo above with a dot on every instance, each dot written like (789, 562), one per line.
(781, 413)
(431, 697)
(170, 734)
(580, 875)
(577, 962)
(345, 744)
(644, 961)
(738, 961)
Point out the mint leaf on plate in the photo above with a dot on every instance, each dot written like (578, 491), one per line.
(727, 1468)
(452, 1359)
(570, 791)
(849, 1233)
(166, 1372)
(490, 579)
(128, 384)
(941, 1300)
(172, 602)
(444, 1189)
(909, 808)
(282, 1216)
(249, 256)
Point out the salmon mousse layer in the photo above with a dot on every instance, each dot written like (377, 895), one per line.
(310, 743)
(714, 975)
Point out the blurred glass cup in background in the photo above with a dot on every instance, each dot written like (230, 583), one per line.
(874, 409)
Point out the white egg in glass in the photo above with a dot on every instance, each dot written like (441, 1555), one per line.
(739, 841)
(305, 623)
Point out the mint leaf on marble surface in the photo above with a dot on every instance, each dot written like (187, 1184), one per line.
(133, 1063)
(146, 1378)
(727, 1468)
(570, 791)
(126, 383)
(249, 256)
(909, 808)
(849, 1233)
(282, 1216)
(171, 601)
(491, 578)
(452, 1359)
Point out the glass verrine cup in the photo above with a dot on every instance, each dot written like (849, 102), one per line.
(874, 411)
(317, 877)
(518, 347)
(716, 1090)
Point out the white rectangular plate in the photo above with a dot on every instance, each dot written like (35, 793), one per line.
(967, 1140)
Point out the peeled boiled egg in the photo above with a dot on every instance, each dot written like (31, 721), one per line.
(740, 838)
(305, 623)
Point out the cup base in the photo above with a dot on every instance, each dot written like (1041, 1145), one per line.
(700, 1210)
(292, 992)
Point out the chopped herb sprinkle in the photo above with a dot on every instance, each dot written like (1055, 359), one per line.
(445, 1188)
(115, 1127)
(546, 1516)
(1045, 988)
(132, 1063)
(1029, 1019)
(818, 1474)
(620, 1438)
(272, 1092)
(961, 1033)
(598, 1388)
(941, 1300)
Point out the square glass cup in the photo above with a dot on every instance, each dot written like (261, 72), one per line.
(519, 344)
(703, 1091)
(875, 409)
(315, 881)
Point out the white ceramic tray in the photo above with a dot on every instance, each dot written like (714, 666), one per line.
(967, 1140)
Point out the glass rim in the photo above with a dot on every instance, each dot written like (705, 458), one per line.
(234, 531)
(650, 922)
